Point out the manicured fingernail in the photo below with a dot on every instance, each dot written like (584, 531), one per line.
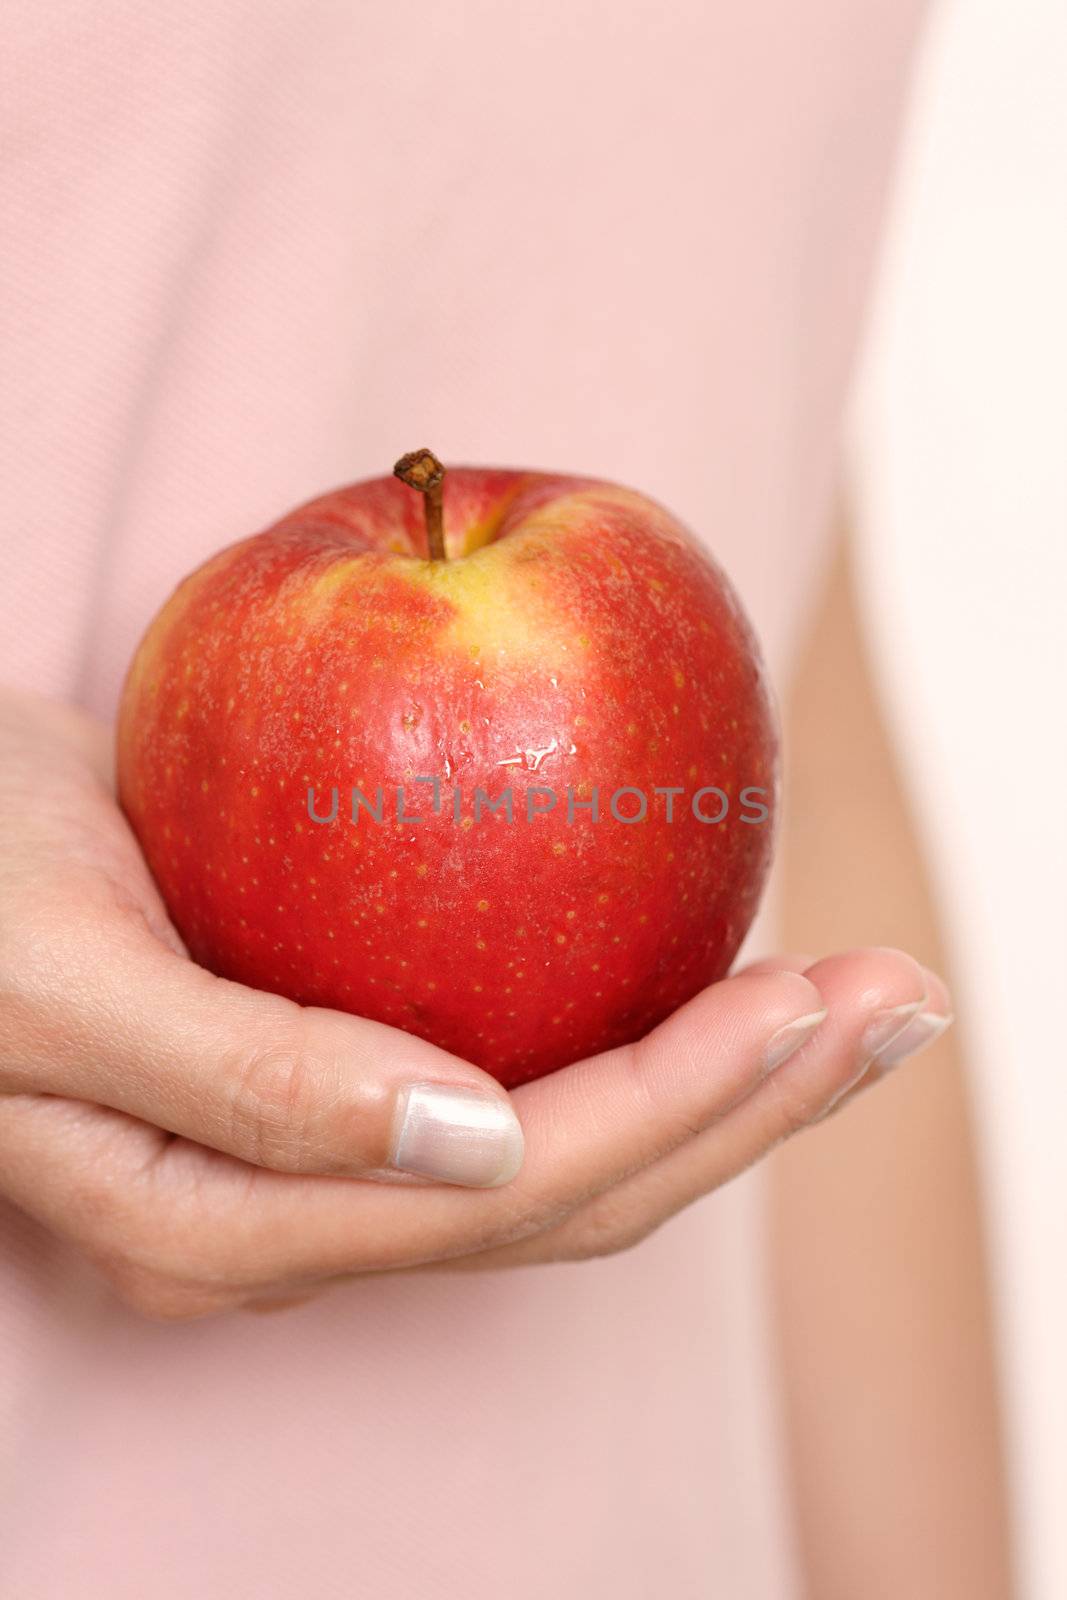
(789, 1039)
(920, 1032)
(456, 1134)
(884, 1027)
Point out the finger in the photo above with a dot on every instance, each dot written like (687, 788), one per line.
(790, 961)
(874, 1000)
(593, 1123)
(189, 1210)
(625, 1214)
(925, 1027)
(869, 996)
(118, 1018)
(238, 1244)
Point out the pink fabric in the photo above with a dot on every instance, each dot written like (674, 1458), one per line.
(259, 247)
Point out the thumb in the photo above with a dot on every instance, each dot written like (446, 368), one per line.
(132, 1025)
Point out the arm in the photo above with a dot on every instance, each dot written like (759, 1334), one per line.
(880, 1280)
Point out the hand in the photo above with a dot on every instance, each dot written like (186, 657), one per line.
(211, 1147)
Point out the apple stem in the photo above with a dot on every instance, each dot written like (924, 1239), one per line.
(421, 470)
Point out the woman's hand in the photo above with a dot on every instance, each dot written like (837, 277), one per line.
(210, 1146)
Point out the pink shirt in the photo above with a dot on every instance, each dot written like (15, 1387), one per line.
(257, 248)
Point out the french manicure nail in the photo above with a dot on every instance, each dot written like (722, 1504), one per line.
(456, 1134)
(884, 1027)
(789, 1039)
(921, 1031)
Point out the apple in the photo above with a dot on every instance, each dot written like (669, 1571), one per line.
(489, 757)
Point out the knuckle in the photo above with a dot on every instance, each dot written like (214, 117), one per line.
(644, 1065)
(279, 1104)
(519, 1219)
(799, 1114)
(608, 1229)
(161, 1296)
(160, 1263)
(164, 1268)
(796, 1107)
(639, 1062)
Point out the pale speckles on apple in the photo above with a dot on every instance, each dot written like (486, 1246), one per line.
(573, 583)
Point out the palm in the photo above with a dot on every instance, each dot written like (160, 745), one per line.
(209, 1144)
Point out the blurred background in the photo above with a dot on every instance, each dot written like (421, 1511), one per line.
(193, 388)
(958, 491)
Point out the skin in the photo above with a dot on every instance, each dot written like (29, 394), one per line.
(879, 1270)
(576, 641)
(190, 1135)
(199, 1140)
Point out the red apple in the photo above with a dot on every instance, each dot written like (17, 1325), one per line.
(571, 639)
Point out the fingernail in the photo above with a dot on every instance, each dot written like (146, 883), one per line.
(884, 1027)
(789, 1039)
(456, 1134)
(920, 1032)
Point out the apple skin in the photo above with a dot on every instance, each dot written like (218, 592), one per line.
(577, 636)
